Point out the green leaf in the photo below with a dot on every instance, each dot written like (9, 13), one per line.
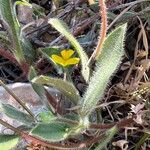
(29, 51)
(109, 135)
(32, 73)
(106, 65)
(144, 138)
(7, 142)
(61, 27)
(65, 87)
(27, 48)
(39, 89)
(39, 11)
(48, 51)
(23, 2)
(46, 117)
(13, 113)
(7, 13)
(53, 132)
(72, 116)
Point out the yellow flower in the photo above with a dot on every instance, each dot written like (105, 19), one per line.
(65, 58)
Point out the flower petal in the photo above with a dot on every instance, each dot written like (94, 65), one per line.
(66, 54)
(59, 60)
(72, 61)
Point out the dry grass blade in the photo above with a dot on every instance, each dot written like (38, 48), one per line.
(145, 40)
(128, 4)
(119, 16)
(145, 65)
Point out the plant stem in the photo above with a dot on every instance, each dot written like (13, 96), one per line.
(25, 68)
(6, 54)
(17, 99)
(102, 33)
(98, 116)
(58, 146)
(127, 4)
(65, 76)
(79, 145)
(120, 124)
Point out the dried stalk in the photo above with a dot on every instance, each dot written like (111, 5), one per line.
(103, 31)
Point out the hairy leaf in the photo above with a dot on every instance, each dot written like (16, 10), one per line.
(144, 137)
(109, 135)
(65, 87)
(23, 2)
(46, 116)
(7, 142)
(106, 65)
(13, 113)
(29, 51)
(61, 27)
(7, 13)
(53, 132)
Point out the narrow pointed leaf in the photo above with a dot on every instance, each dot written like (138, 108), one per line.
(8, 142)
(106, 65)
(13, 113)
(7, 13)
(53, 132)
(61, 27)
(106, 139)
(142, 139)
(28, 49)
(23, 2)
(65, 87)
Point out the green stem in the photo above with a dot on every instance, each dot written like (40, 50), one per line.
(67, 75)
(98, 116)
(7, 13)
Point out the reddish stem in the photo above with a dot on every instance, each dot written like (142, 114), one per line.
(8, 55)
(25, 68)
(82, 144)
(60, 146)
(122, 123)
(103, 30)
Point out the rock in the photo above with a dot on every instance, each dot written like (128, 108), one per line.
(25, 14)
(25, 92)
